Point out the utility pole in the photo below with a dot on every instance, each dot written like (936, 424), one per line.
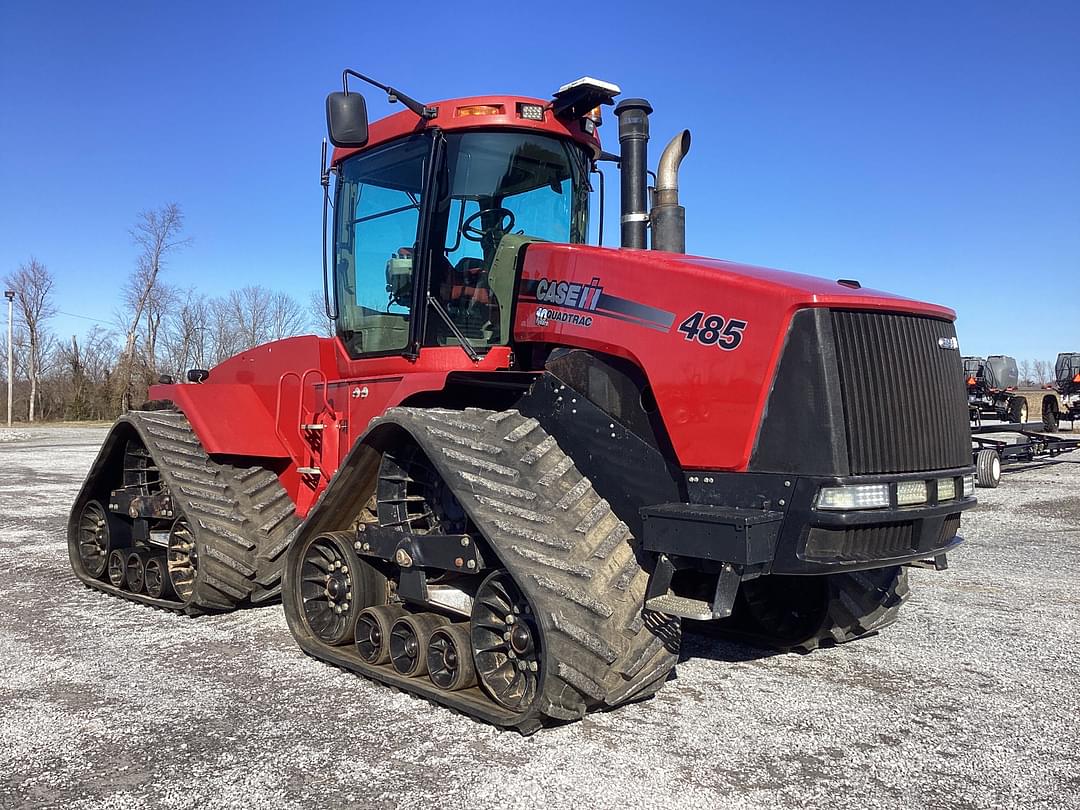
(10, 296)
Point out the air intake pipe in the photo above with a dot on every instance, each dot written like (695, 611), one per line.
(633, 115)
(668, 218)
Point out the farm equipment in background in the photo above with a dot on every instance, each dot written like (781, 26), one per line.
(991, 453)
(1062, 402)
(523, 460)
(992, 384)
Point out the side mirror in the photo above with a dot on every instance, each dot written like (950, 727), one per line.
(346, 119)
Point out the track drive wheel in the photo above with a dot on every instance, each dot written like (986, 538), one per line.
(94, 538)
(335, 585)
(800, 616)
(182, 561)
(988, 468)
(506, 643)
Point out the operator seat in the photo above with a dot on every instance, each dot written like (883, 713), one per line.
(470, 300)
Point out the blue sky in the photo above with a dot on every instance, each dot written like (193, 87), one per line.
(931, 149)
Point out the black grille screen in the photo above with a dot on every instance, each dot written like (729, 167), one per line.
(905, 405)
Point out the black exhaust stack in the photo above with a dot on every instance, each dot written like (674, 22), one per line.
(633, 115)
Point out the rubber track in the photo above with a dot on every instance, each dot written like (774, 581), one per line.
(241, 516)
(860, 603)
(568, 552)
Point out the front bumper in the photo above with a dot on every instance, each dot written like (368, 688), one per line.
(769, 524)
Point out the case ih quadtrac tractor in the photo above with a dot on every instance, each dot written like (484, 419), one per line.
(523, 460)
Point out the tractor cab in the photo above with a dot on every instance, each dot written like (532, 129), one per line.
(1067, 373)
(430, 215)
(432, 224)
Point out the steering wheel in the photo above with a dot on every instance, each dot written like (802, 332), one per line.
(475, 234)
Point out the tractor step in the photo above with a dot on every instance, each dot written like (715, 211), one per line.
(309, 470)
(313, 427)
(684, 607)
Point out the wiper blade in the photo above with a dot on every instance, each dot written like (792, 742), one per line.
(465, 344)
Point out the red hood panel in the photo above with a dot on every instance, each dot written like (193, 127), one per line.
(711, 385)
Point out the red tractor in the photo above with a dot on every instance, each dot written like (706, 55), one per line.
(523, 459)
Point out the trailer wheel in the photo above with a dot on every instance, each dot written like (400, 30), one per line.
(1050, 418)
(1018, 410)
(988, 468)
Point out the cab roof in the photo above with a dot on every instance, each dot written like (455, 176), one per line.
(502, 112)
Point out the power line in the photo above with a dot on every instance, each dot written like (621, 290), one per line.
(84, 317)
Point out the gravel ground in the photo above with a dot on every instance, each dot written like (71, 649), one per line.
(971, 700)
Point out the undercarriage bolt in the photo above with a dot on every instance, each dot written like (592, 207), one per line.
(348, 596)
(510, 618)
(402, 558)
(344, 607)
(534, 666)
(358, 546)
(464, 541)
(344, 569)
(522, 665)
(458, 562)
(471, 564)
(511, 654)
(506, 636)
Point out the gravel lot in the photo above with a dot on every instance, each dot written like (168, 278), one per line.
(971, 700)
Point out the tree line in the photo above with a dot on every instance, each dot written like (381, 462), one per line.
(159, 328)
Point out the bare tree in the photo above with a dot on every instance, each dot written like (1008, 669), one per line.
(33, 285)
(1026, 373)
(320, 324)
(1043, 372)
(186, 335)
(259, 315)
(157, 233)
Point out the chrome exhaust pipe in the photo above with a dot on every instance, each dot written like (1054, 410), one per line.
(668, 218)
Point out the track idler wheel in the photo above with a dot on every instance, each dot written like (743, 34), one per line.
(94, 538)
(335, 586)
(136, 571)
(183, 559)
(409, 640)
(118, 567)
(450, 658)
(373, 627)
(156, 578)
(506, 643)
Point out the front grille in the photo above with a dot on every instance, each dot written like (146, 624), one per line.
(905, 406)
(881, 542)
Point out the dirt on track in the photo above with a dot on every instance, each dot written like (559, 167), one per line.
(971, 699)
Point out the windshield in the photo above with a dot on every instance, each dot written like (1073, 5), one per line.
(503, 189)
(497, 191)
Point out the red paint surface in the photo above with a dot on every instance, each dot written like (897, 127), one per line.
(711, 400)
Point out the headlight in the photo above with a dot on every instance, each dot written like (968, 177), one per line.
(860, 496)
(969, 485)
(909, 493)
(946, 489)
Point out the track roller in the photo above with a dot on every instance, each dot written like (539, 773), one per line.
(118, 567)
(136, 571)
(156, 578)
(450, 658)
(409, 640)
(373, 627)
